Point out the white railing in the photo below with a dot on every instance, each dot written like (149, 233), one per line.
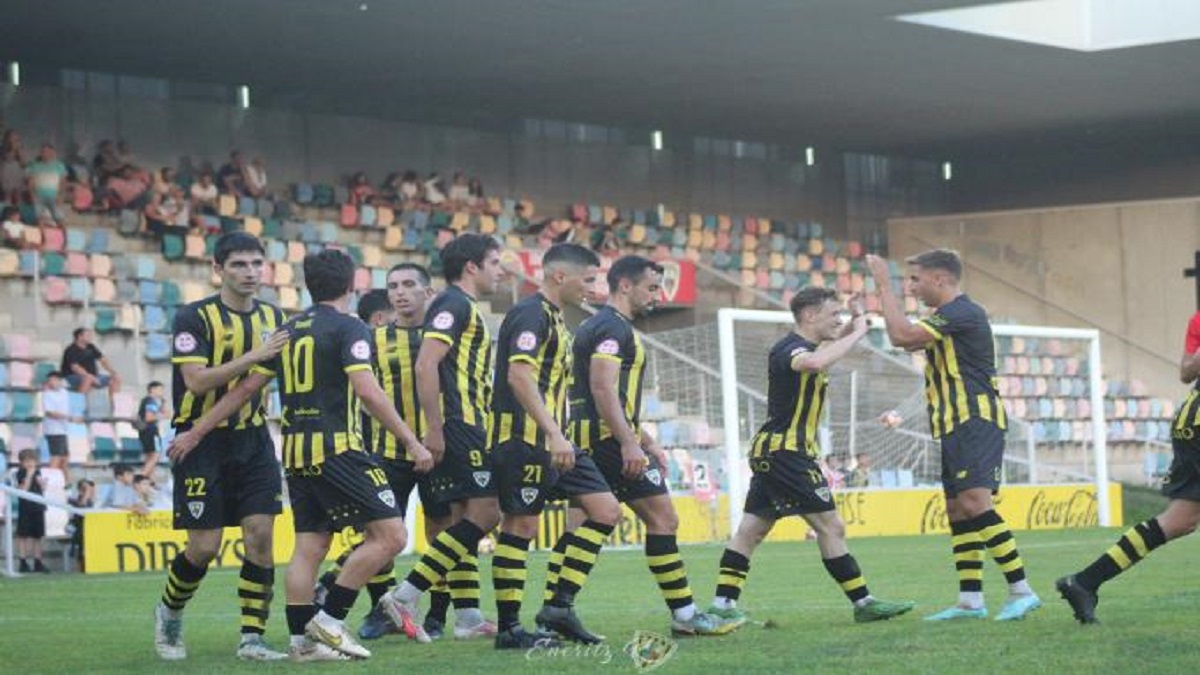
(8, 493)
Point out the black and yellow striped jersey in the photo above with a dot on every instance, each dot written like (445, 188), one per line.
(321, 414)
(466, 373)
(210, 334)
(533, 332)
(960, 367)
(1187, 417)
(394, 361)
(605, 335)
(795, 402)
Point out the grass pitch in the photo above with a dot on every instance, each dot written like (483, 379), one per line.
(103, 624)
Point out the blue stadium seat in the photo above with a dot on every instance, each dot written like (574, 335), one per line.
(149, 292)
(76, 239)
(265, 208)
(158, 348)
(302, 193)
(246, 206)
(154, 319)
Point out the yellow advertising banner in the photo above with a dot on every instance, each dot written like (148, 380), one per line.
(127, 542)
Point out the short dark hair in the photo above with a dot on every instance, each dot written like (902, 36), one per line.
(571, 254)
(810, 296)
(77, 332)
(419, 269)
(328, 275)
(139, 478)
(10, 211)
(53, 373)
(466, 248)
(153, 384)
(236, 242)
(374, 300)
(939, 259)
(120, 468)
(631, 267)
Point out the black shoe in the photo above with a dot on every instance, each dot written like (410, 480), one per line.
(23, 568)
(517, 638)
(39, 566)
(564, 621)
(434, 629)
(1082, 600)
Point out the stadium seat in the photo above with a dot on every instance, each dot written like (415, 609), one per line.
(158, 348)
(264, 208)
(226, 205)
(362, 279)
(130, 223)
(149, 292)
(323, 195)
(55, 290)
(393, 238)
(76, 264)
(349, 216)
(372, 256)
(284, 274)
(99, 240)
(154, 319)
(24, 406)
(367, 216)
(253, 225)
(76, 240)
(79, 290)
(289, 298)
(53, 264)
(246, 207)
(6, 404)
(384, 217)
(10, 263)
(173, 247)
(53, 239)
(302, 193)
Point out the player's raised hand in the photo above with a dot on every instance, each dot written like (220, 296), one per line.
(435, 443)
(562, 453)
(422, 458)
(182, 445)
(855, 305)
(633, 460)
(879, 269)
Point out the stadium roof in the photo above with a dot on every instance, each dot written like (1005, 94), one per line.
(844, 73)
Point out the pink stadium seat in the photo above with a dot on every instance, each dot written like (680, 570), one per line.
(296, 252)
(55, 290)
(193, 247)
(268, 274)
(362, 279)
(54, 239)
(99, 266)
(842, 283)
(723, 240)
(762, 279)
(349, 216)
(124, 405)
(750, 225)
(76, 264)
(104, 290)
(444, 237)
(579, 212)
(858, 283)
(854, 249)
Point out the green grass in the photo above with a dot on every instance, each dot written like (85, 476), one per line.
(76, 624)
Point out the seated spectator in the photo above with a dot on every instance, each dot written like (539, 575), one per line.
(79, 363)
(121, 495)
(389, 189)
(14, 229)
(832, 468)
(521, 224)
(106, 164)
(254, 178)
(151, 410)
(77, 190)
(12, 175)
(77, 167)
(85, 498)
(31, 516)
(160, 213)
(12, 141)
(361, 191)
(580, 233)
(604, 238)
(410, 188)
(125, 155)
(475, 196)
(459, 190)
(859, 476)
(435, 190)
(204, 195)
(147, 494)
(164, 180)
(554, 231)
(126, 190)
(56, 414)
(231, 179)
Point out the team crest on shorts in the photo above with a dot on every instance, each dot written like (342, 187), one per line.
(482, 478)
(528, 495)
(824, 494)
(387, 497)
(196, 509)
(649, 650)
(654, 476)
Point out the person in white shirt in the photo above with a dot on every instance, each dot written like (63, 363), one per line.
(204, 194)
(254, 176)
(56, 413)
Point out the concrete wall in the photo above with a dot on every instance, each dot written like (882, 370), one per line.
(1116, 267)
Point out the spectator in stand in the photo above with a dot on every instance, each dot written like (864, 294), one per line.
(12, 175)
(204, 195)
(375, 309)
(361, 191)
(521, 224)
(31, 516)
(12, 141)
(389, 189)
(79, 364)
(127, 189)
(831, 467)
(231, 179)
(106, 164)
(435, 191)
(46, 179)
(85, 498)
(125, 155)
(410, 189)
(14, 229)
(152, 409)
(580, 233)
(147, 494)
(122, 495)
(475, 196)
(604, 238)
(254, 178)
(56, 413)
(860, 475)
(164, 180)
(162, 212)
(459, 191)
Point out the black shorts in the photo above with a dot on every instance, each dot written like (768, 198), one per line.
(607, 455)
(149, 439)
(526, 481)
(31, 520)
(403, 479)
(787, 483)
(58, 446)
(346, 490)
(465, 472)
(972, 456)
(229, 476)
(1183, 478)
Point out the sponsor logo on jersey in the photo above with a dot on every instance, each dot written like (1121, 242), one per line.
(360, 350)
(185, 343)
(526, 341)
(443, 320)
(609, 346)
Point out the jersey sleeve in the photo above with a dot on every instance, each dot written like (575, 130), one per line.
(355, 352)
(1192, 341)
(446, 319)
(527, 333)
(612, 341)
(949, 319)
(191, 342)
(781, 359)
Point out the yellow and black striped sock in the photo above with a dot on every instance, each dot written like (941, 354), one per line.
(1135, 544)
(463, 582)
(662, 555)
(381, 583)
(998, 539)
(580, 556)
(845, 571)
(254, 596)
(968, 556)
(183, 578)
(555, 565)
(439, 602)
(456, 542)
(731, 576)
(508, 578)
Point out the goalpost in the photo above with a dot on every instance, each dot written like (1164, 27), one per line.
(870, 382)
